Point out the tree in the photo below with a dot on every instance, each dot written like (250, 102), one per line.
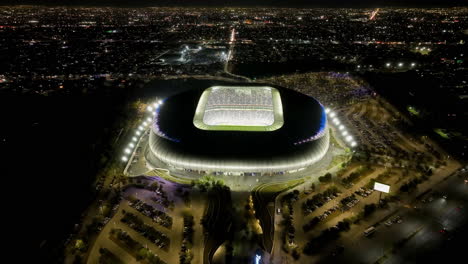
(296, 254)
(369, 209)
(326, 178)
(343, 225)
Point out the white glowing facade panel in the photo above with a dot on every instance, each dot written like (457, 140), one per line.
(161, 150)
(239, 109)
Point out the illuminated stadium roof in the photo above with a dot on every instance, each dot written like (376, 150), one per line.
(248, 128)
(239, 108)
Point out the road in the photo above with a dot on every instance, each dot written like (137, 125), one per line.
(421, 226)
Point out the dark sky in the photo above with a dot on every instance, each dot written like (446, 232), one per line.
(284, 3)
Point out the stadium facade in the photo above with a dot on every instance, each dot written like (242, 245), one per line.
(238, 130)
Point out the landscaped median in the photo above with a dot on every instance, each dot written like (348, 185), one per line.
(264, 196)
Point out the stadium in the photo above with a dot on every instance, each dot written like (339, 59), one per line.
(238, 130)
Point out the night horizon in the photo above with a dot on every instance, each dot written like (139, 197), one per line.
(246, 3)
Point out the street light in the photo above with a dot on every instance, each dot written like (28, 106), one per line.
(353, 144)
(332, 114)
(341, 127)
(131, 145)
(413, 64)
(128, 151)
(138, 133)
(134, 138)
(257, 259)
(400, 64)
(349, 138)
(327, 110)
(150, 108)
(124, 158)
(388, 64)
(149, 119)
